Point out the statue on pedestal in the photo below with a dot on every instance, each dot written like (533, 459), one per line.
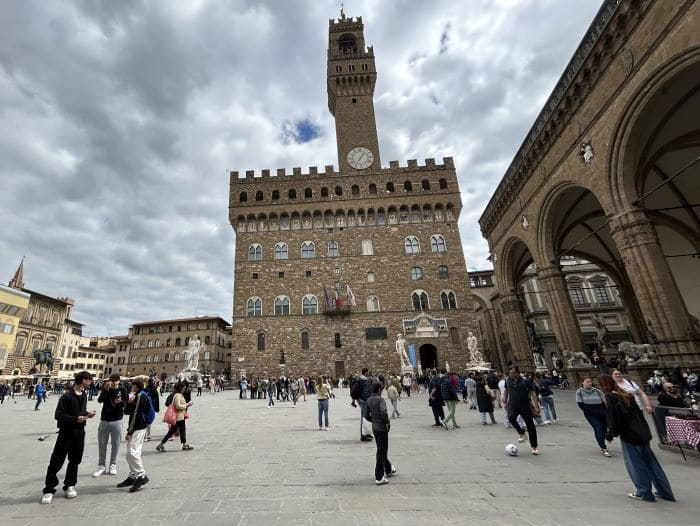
(472, 344)
(192, 353)
(401, 350)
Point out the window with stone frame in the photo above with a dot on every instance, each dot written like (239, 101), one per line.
(176, 357)
(578, 298)
(390, 187)
(254, 307)
(372, 304)
(281, 251)
(309, 304)
(419, 299)
(600, 293)
(372, 189)
(242, 197)
(407, 186)
(177, 342)
(261, 341)
(416, 273)
(281, 306)
(448, 299)
(259, 195)
(275, 195)
(367, 247)
(338, 190)
(333, 249)
(443, 272)
(149, 359)
(207, 355)
(411, 245)
(425, 184)
(255, 252)
(305, 340)
(337, 341)
(156, 358)
(370, 277)
(437, 243)
(308, 250)
(443, 184)
(355, 190)
(308, 193)
(324, 191)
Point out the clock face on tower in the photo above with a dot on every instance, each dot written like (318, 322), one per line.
(360, 158)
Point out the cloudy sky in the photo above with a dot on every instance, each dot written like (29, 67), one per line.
(119, 123)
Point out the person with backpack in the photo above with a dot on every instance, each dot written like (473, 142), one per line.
(141, 413)
(359, 392)
(448, 393)
(181, 405)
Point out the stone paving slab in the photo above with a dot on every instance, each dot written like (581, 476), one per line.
(253, 465)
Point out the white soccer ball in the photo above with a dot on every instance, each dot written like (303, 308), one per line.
(512, 450)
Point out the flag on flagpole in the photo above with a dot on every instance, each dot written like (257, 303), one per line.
(351, 296)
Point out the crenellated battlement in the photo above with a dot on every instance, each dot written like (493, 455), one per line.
(313, 171)
(335, 23)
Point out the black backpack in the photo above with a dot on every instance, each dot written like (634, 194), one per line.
(492, 381)
(356, 390)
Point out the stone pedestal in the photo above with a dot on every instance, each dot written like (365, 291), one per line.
(407, 369)
(640, 371)
(189, 375)
(577, 373)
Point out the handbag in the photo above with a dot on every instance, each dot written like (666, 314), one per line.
(535, 408)
(170, 416)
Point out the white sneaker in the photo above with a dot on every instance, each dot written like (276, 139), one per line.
(100, 471)
(47, 498)
(112, 469)
(381, 481)
(70, 492)
(546, 422)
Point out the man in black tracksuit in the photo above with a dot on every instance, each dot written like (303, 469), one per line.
(71, 416)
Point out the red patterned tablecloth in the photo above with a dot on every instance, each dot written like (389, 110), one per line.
(680, 431)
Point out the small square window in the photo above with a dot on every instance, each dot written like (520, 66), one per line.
(280, 274)
(308, 273)
(354, 100)
(255, 275)
(336, 270)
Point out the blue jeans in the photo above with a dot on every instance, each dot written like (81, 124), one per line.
(645, 470)
(548, 408)
(599, 425)
(362, 404)
(322, 411)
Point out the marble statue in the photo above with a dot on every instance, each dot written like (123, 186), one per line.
(401, 350)
(472, 345)
(602, 336)
(539, 360)
(575, 359)
(193, 353)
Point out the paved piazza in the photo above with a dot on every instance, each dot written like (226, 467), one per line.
(257, 466)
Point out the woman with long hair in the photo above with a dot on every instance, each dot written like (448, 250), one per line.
(626, 420)
(180, 405)
(633, 389)
(592, 403)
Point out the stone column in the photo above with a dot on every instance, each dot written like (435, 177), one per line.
(561, 311)
(659, 299)
(512, 311)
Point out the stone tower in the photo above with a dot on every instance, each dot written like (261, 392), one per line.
(332, 265)
(351, 78)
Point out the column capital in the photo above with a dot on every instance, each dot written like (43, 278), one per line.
(632, 228)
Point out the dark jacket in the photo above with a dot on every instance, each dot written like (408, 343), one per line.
(375, 412)
(153, 393)
(626, 421)
(112, 410)
(70, 406)
(135, 412)
(483, 398)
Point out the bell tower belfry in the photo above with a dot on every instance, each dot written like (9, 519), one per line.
(351, 78)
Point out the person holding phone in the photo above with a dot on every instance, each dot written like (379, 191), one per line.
(71, 416)
(112, 397)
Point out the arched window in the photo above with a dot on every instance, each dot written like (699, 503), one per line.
(149, 358)
(254, 306)
(448, 300)
(275, 195)
(309, 304)
(243, 197)
(443, 273)
(281, 251)
(167, 356)
(308, 250)
(333, 249)
(411, 245)
(372, 304)
(367, 247)
(156, 358)
(157, 343)
(407, 186)
(419, 298)
(390, 187)
(259, 195)
(338, 190)
(355, 190)
(255, 252)
(281, 306)
(338, 341)
(443, 184)
(425, 184)
(416, 273)
(177, 342)
(372, 188)
(308, 193)
(168, 342)
(437, 243)
(261, 341)
(292, 194)
(177, 357)
(324, 191)
(370, 277)
(305, 340)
